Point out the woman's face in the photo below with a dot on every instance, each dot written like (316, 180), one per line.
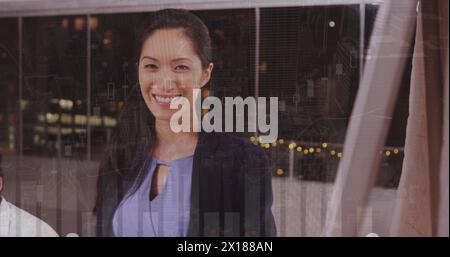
(169, 67)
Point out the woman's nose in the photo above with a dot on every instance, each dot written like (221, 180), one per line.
(168, 84)
(166, 81)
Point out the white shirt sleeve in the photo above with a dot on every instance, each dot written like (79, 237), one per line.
(15, 222)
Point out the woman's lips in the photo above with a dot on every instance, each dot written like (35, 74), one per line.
(164, 100)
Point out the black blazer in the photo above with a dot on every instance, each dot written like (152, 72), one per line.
(231, 191)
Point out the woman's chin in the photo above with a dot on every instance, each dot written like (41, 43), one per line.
(163, 115)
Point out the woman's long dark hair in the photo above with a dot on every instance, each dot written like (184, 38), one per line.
(133, 139)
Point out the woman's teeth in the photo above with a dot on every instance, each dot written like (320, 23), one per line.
(162, 99)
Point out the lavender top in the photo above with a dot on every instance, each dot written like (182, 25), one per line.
(167, 214)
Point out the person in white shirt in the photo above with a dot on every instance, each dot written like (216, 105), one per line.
(15, 222)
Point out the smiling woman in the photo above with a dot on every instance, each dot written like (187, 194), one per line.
(156, 182)
(170, 67)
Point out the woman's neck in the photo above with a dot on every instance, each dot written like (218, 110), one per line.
(171, 145)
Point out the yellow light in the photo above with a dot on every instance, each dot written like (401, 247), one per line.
(252, 138)
(318, 150)
(65, 23)
(305, 151)
(388, 153)
(93, 23)
(332, 24)
(80, 131)
(292, 145)
(267, 146)
(66, 118)
(263, 67)
(95, 120)
(65, 104)
(79, 23)
(396, 151)
(280, 172)
(280, 141)
(299, 149)
(205, 93)
(107, 37)
(36, 139)
(52, 118)
(109, 122)
(311, 150)
(333, 152)
(66, 131)
(339, 155)
(324, 145)
(80, 119)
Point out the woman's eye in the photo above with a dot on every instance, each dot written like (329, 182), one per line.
(151, 66)
(181, 68)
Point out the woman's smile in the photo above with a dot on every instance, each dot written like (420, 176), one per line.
(164, 100)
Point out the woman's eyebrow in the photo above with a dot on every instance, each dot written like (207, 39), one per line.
(182, 59)
(148, 57)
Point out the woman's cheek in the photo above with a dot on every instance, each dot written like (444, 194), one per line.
(146, 80)
(188, 81)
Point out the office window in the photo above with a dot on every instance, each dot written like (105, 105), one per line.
(310, 59)
(79, 69)
(9, 84)
(54, 86)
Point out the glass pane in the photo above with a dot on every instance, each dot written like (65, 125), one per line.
(54, 86)
(113, 40)
(9, 105)
(9, 84)
(233, 38)
(310, 60)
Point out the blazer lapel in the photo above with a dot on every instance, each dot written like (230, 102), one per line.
(206, 183)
